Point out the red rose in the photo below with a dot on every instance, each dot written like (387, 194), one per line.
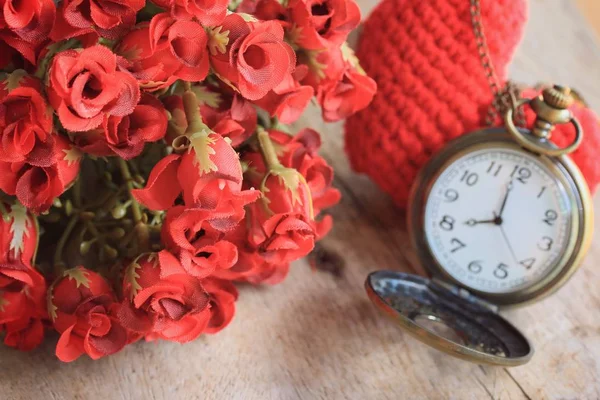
(266, 10)
(82, 307)
(22, 295)
(222, 295)
(230, 116)
(196, 236)
(282, 237)
(86, 85)
(37, 183)
(180, 44)
(25, 119)
(323, 66)
(301, 153)
(208, 174)
(106, 18)
(164, 51)
(208, 12)
(162, 301)
(18, 237)
(126, 136)
(24, 334)
(24, 25)
(320, 24)
(189, 228)
(289, 99)
(255, 58)
(342, 99)
(22, 288)
(251, 266)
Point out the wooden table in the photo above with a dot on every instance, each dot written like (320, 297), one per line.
(318, 336)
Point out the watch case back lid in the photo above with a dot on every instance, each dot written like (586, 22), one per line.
(448, 319)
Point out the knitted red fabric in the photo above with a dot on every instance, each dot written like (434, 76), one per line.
(432, 86)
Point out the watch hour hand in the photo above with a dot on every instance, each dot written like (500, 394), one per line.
(473, 222)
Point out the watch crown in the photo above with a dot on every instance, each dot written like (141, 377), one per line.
(558, 97)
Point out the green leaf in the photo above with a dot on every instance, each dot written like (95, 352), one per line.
(290, 178)
(50, 304)
(13, 80)
(19, 228)
(72, 155)
(79, 275)
(205, 96)
(201, 143)
(131, 276)
(349, 56)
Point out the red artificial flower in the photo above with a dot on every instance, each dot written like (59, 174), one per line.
(208, 174)
(25, 334)
(282, 237)
(222, 298)
(83, 309)
(289, 99)
(36, 183)
(18, 239)
(196, 236)
(251, 266)
(323, 66)
(208, 12)
(106, 18)
(22, 295)
(25, 119)
(266, 10)
(164, 51)
(346, 97)
(301, 153)
(251, 57)
(24, 25)
(126, 136)
(231, 116)
(190, 228)
(341, 85)
(22, 288)
(86, 85)
(162, 301)
(281, 223)
(320, 24)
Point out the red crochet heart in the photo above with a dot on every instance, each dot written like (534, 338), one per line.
(433, 88)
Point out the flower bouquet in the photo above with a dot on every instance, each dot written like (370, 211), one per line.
(145, 165)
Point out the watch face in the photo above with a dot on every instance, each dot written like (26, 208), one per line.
(497, 220)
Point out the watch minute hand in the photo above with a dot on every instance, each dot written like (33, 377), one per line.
(508, 189)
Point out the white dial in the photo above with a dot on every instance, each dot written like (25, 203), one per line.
(497, 220)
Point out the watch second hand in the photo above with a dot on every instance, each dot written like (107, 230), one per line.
(510, 248)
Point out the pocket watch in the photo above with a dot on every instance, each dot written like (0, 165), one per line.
(500, 217)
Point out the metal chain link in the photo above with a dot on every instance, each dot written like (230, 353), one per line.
(504, 97)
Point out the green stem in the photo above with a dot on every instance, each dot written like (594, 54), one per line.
(268, 150)
(135, 206)
(63, 238)
(77, 193)
(141, 229)
(4, 212)
(192, 112)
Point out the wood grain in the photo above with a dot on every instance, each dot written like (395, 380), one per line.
(317, 335)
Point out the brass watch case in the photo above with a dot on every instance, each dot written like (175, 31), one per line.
(565, 172)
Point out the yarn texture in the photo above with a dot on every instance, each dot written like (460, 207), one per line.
(433, 88)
